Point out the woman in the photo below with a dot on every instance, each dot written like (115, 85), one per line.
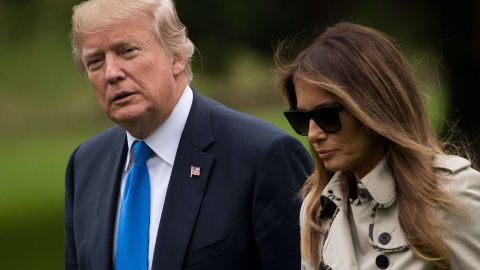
(383, 194)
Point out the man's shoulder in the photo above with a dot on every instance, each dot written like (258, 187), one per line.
(226, 119)
(103, 140)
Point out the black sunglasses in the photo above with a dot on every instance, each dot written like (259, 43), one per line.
(326, 118)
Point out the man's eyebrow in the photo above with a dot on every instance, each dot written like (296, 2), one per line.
(122, 43)
(116, 44)
(91, 53)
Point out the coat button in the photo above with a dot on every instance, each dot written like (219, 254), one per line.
(382, 261)
(384, 238)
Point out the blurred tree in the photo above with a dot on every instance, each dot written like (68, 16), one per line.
(458, 37)
(258, 24)
(16, 19)
(22, 19)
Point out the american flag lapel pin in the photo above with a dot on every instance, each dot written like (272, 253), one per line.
(194, 171)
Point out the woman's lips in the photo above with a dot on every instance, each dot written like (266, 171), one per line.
(326, 153)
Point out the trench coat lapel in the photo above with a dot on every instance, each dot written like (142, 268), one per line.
(338, 250)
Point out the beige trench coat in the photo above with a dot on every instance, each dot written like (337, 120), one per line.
(358, 239)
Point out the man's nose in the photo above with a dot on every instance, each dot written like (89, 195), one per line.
(113, 69)
(315, 133)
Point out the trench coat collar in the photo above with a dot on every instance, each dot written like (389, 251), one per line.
(333, 196)
(379, 184)
(334, 189)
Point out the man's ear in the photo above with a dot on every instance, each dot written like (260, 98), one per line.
(178, 65)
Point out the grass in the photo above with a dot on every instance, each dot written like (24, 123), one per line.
(31, 206)
(274, 115)
(31, 203)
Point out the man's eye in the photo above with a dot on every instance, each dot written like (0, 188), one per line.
(129, 51)
(94, 64)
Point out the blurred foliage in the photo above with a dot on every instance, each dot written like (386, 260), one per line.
(31, 204)
(47, 108)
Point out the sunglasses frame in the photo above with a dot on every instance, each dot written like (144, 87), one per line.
(290, 114)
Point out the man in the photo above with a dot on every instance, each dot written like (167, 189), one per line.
(182, 182)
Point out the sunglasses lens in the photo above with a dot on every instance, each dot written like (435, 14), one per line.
(326, 118)
(298, 120)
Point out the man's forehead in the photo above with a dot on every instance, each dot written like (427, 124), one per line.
(114, 37)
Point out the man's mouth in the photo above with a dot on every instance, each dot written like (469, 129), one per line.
(122, 96)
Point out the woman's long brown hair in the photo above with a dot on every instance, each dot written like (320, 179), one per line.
(365, 72)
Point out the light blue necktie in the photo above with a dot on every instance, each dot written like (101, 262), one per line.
(134, 222)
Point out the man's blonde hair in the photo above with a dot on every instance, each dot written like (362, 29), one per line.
(96, 15)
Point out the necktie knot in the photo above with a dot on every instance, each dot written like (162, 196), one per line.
(141, 152)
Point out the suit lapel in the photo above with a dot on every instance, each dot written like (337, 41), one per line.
(185, 191)
(107, 201)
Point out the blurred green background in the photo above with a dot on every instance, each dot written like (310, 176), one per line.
(47, 108)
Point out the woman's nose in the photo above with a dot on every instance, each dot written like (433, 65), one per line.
(315, 133)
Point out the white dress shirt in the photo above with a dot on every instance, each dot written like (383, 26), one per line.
(164, 143)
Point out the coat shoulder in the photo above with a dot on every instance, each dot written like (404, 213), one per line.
(107, 139)
(462, 228)
(458, 173)
(228, 120)
(451, 164)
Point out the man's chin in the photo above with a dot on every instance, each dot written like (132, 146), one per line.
(124, 117)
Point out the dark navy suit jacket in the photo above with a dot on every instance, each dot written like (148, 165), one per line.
(242, 212)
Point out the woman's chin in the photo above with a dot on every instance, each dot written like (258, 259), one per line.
(333, 165)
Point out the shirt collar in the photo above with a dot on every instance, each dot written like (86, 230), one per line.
(165, 139)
